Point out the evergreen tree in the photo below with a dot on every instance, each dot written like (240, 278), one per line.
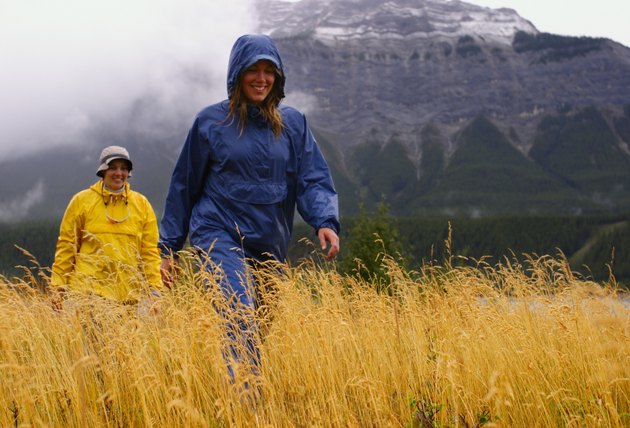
(370, 240)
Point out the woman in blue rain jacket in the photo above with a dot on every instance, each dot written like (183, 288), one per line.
(247, 163)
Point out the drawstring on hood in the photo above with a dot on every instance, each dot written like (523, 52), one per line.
(111, 197)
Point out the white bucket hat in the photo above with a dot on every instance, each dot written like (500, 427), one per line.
(109, 154)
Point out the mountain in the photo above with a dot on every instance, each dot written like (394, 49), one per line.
(422, 78)
(442, 106)
(394, 65)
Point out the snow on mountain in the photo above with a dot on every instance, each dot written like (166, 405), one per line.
(330, 21)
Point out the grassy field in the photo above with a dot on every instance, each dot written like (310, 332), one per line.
(512, 346)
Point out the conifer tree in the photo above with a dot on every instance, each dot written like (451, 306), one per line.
(371, 238)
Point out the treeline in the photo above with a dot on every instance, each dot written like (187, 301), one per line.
(594, 245)
(555, 47)
(38, 238)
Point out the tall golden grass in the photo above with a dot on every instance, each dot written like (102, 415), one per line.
(510, 345)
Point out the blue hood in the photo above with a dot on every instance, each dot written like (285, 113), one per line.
(248, 50)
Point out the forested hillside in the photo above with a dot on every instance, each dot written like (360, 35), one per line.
(591, 243)
(38, 238)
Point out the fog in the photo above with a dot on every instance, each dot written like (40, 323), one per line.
(15, 208)
(70, 65)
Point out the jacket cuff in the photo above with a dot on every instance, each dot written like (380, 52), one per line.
(166, 251)
(330, 224)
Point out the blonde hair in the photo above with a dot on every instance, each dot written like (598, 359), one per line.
(268, 108)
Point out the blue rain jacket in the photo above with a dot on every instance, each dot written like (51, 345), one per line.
(232, 191)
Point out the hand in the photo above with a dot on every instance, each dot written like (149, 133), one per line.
(325, 235)
(58, 296)
(150, 304)
(168, 271)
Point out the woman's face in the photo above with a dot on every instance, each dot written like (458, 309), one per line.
(116, 175)
(257, 81)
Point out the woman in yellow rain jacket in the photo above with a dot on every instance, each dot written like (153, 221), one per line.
(108, 236)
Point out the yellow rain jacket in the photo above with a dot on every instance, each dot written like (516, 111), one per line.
(108, 244)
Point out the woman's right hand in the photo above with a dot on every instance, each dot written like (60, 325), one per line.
(58, 296)
(327, 235)
(168, 271)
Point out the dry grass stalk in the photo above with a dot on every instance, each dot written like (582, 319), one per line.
(451, 346)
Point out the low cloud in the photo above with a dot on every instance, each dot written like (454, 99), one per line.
(18, 208)
(302, 101)
(74, 65)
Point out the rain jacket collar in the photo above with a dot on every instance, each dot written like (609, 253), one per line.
(108, 196)
(248, 50)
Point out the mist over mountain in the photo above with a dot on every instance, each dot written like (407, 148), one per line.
(444, 107)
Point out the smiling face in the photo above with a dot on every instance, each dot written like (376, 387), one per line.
(116, 175)
(257, 81)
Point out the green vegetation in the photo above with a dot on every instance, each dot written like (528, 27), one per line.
(384, 171)
(344, 185)
(432, 162)
(580, 149)
(591, 243)
(553, 47)
(38, 238)
(467, 47)
(576, 166)
(487, 174)
(369, 241)
(622, 126)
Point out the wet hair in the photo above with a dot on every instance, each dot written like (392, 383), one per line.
(268, 108)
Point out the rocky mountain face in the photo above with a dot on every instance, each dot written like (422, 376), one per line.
(442, 106)
(428, 74)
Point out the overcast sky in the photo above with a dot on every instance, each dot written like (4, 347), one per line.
(595, 18)
(68, 63)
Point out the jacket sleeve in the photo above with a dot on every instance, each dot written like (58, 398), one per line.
(149, 250)
(68, 243)
(184, 191)
(316, 195)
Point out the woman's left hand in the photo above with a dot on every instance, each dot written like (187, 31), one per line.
(325, 235)
(168, 270)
